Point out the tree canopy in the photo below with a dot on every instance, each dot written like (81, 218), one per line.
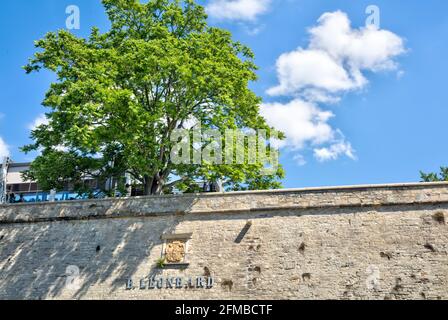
(435, 177)
(120, 95)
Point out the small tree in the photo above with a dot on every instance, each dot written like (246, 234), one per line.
(120, 95)
(435, 177)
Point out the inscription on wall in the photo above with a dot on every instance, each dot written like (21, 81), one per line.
(171, 283)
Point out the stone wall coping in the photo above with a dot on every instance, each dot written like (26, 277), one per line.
(385, 195)
(364, 187)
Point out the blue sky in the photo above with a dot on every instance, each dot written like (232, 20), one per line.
(384, 127)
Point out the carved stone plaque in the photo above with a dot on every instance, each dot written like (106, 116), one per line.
(175, 248)
(175, 251)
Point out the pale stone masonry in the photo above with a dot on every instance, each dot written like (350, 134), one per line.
(361, 242)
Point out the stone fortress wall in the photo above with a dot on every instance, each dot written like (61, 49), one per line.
(360, 242)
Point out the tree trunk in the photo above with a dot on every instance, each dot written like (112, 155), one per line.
(157, 187)
(153, 185)
(147, 186)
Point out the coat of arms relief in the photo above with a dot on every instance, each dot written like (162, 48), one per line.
(175, 251)
(175, 248)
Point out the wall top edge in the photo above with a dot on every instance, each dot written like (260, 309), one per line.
(329, 189)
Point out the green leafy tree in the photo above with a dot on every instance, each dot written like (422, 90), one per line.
(120, 95)
(435, 177)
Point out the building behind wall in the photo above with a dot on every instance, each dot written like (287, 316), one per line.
(16, 188)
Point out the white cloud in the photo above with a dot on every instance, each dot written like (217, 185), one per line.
(302, 122)
(4, 149)
(307, 125)
(241, 10)
(253, 30)
(334, 62)
(299, 159)
(366, 48)
(40, 120)
(310, 69)
(335, 59)
(334, 151)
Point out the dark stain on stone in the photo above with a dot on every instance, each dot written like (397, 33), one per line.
(424, 280)
(206, 272)
(387, 255)
(349, 289)
(98, 249)
(243, 232)
(227, 284)
(430, 247)
(252, 248)
(398, 286)
(348, 265)
(306, 276)
(439, 217)
(302, 247)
